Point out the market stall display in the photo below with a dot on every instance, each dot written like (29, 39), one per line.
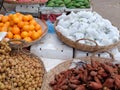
(54, 8)
(19, 69)
(85, 76)
(23, 27)
(88, 31)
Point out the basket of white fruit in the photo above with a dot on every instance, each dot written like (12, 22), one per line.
(87, 31)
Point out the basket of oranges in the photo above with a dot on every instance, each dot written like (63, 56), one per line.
(22, 28)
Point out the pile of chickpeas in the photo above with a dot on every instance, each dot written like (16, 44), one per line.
(19, 71)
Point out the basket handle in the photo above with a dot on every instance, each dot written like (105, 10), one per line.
(88, 40)
(19, 45)
(110, 54)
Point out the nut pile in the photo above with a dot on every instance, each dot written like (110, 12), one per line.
(18, 71)
(94, 76)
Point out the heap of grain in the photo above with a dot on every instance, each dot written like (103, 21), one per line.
(19, 71)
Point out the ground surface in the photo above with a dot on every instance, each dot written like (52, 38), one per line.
(109, 9)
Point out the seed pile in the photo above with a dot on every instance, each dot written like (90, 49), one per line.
(18, 71)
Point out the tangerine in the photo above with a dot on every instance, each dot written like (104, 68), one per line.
(40, 32)
(24, 34)
(35, 35)
(25, 18)
(26, 23)
(20, 24)
(10, 16)
(9, 35)
(32, 27)
(7, 24)
(16, 20)
(17, 13)
(30, 33)
(30, 17)
(26, 28)
(9, 29)
(28, 39)
(15, 30)
(4, 29)
(12, 23)
(33, 22)
(17, 36)
(37, 27)
(4, 19)
(1, 24)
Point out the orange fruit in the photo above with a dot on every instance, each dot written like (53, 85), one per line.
(15, 30)
(25, 18)
(1, 17)
(9, 29)
(35, 35)
(20, 16)
(30, 17)
(32, 27)
(5, 19)
(10, 16)
(12, 23)
(4, 29)
(9, 35)
(26, 28)
(20, 24)
(40, 32)
(17, 13)
(28, 39)
(14, 16)
(33, 22)
(16, 20)
(26, 23)
(29, 33)
(17, 36)
(1, 24)
(24, 34)
(7, 24)
(37, 27)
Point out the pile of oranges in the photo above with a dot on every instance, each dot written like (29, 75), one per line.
(19, 26)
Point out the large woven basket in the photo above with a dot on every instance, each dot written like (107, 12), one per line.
(81, 46)
(29, 2)
(65, 65)
(23, 43)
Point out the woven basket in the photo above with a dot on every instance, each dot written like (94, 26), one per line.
(29, 2)
(23, 43)
(65, 65)
(83, 47)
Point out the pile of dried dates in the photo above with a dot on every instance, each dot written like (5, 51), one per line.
(94, 76)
